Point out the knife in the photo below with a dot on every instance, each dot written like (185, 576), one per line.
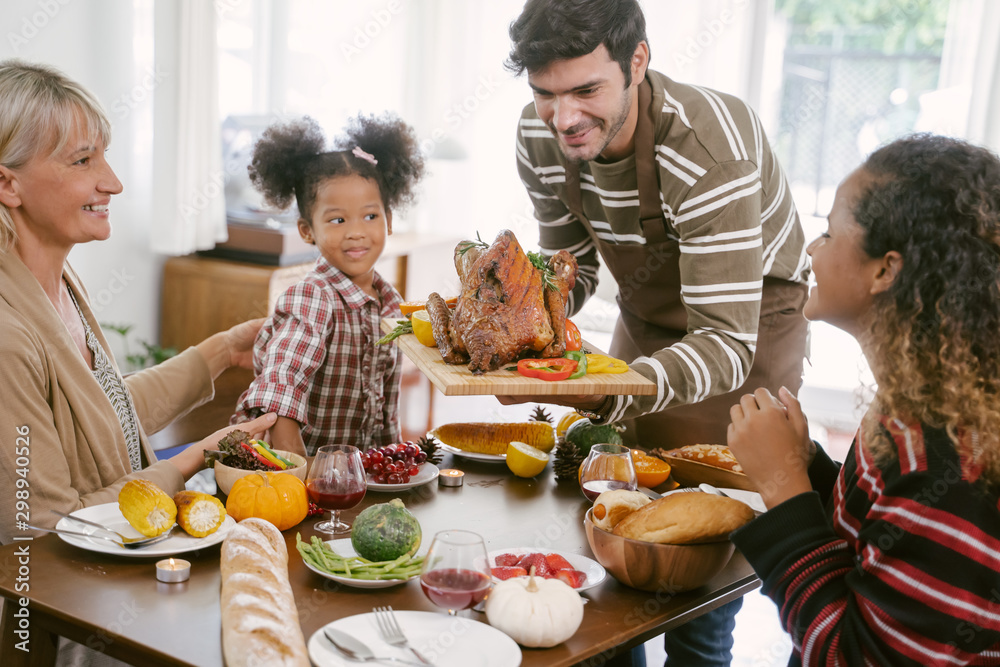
(355, 649)
(649, 492)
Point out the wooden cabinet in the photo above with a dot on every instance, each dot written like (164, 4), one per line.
(202, 296)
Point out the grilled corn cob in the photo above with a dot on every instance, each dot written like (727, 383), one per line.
(146, 507)
(199, 514)
(487, 438)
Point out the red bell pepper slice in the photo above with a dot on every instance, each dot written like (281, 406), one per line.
(574, 341)
(270, 466)
(546, 369)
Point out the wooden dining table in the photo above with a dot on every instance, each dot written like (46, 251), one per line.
(115, 604)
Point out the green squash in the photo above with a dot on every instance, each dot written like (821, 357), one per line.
(385, 531)
(585, 434)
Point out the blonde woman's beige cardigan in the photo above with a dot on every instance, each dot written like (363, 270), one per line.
(61, 444)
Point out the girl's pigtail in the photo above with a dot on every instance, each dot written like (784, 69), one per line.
(277, 167)
(393, 145)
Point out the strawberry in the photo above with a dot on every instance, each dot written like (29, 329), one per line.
(537, 560)
(507, 559)
(557, 562)
(506, 572)
(574, 578)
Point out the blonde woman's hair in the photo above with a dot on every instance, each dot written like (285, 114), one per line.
(39, 107)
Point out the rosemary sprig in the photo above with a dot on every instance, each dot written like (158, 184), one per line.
(402, 327)
(466, 246)
(541, 262)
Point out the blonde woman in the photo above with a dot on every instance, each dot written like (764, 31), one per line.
(71, 426)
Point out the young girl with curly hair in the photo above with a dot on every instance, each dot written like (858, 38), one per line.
(894, 558)
(316, 361)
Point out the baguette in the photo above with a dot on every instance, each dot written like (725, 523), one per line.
(685, 518)
(260, 625)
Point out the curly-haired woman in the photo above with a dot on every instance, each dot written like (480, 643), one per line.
(894, 558)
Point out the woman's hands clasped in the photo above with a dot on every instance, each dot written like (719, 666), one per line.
(770, 437)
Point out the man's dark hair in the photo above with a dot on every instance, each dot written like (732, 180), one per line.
(551, 30)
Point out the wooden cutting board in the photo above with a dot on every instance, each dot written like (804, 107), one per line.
(458, 380)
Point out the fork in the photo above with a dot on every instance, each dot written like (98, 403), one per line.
(389, 628)
(139, 544)
(127, 542)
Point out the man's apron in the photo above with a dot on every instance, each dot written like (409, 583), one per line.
(653, 316)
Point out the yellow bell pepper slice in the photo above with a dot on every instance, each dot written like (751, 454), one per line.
(263, 451)
(601, 363)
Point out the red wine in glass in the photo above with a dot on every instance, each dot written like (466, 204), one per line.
(336, 481)
(599, 486)
(332, 496)
(453, 588)
(456, 572)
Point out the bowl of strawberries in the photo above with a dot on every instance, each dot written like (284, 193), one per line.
(579, 572)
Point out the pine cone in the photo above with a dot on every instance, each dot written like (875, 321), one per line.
(428, 446)
(541, 415)
(567, 461)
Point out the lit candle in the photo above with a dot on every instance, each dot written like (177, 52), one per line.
(173, 570)
(451, 477)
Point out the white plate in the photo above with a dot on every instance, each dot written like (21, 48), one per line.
(751, 498)
(447, 641)
(428, 473)
(474, 456)
(594, 571)
(344, 547)
(109, 515)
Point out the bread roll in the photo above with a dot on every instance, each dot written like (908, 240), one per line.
(613, 506)
(714, 455)
(260, 625)
(685, 518)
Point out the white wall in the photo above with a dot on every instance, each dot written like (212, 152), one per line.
(103, 44)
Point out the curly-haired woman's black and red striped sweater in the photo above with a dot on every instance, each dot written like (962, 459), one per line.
(902, 566)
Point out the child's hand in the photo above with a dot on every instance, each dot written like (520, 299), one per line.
(770, 438)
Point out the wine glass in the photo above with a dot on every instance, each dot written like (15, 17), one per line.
(607, 467)
(456, 572)
(336, 481)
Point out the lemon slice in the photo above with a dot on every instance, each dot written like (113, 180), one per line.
(524, 460)
(422, 329)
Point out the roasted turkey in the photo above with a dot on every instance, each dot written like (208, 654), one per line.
(507, 307)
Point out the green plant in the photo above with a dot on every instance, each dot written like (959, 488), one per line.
(151, 354)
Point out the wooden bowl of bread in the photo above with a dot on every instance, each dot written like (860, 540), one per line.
(673, 544)
(226, 476)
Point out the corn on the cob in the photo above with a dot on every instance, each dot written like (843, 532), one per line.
(487, 438)
(146, 507)
(199, 514)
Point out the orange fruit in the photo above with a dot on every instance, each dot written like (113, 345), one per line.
(650, 471)
(410, 307)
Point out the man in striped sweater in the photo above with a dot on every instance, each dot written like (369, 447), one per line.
(676, 189)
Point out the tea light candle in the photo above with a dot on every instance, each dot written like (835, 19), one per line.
(173, 570)
(451, 477)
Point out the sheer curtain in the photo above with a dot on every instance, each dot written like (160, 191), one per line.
(189, 211)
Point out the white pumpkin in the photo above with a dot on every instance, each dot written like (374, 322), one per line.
(535, 612)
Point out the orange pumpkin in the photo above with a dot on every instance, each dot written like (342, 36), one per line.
(280, 499)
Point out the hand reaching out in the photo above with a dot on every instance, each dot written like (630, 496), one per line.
(240, 339)
(770, 438)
